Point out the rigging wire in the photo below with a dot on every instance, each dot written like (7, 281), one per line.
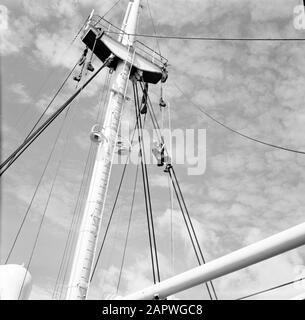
(34, 195)
(107, 185)
(146, 205)
(178, 37)
(92, 53)
(188, 230)
(243, 135)
(65, 51)
(233, 130)
(101, 114)
(76, 213)
(59, 286)
(154, 26)
(46, 109)
(114, 206)
(80, 197)
(79, 31)
(61, 87)
(272, 288)
(186, 215)
(128, 228)
(170, 187)
(150, 221)
(47, 203)
(189, 221)
(52, 100)
(48, 106)
(74, 217)
(19, 151)
(33, 136)
(153, 115)
(171, 191)
(157, 127)
(108, 11)
(156, 36)
(111, 215)
(112, 211)
(45, 209)
(68, 241)
(109, 221)
(59, 274)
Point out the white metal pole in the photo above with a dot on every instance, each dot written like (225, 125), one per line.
(89, 230)
(262, 250)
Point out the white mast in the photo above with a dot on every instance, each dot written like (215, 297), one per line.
(89, 230)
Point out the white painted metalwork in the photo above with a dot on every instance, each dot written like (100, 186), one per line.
(89, 230)
(245, 257)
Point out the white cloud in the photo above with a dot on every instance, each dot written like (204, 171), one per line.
(18, 35)
(39, 10)
(228, 163)
(39, 293)
(273, 9)
(20, 91)
(53, 49)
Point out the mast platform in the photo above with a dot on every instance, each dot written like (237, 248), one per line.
(98, 37)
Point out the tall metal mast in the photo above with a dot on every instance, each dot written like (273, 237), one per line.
(90, 226)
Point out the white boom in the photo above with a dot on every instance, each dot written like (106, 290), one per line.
(90, 226)
(257, 252)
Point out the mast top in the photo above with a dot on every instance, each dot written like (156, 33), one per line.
(100, 36)
(130, 21)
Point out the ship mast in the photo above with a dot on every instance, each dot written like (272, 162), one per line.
(93, 213)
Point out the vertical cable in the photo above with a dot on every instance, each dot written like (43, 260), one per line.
(47, 203)
(146, 184)
(128, 228)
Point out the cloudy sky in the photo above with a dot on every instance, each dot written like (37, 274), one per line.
(248, 191)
